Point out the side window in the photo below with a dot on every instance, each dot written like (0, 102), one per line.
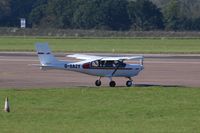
(102, 63)
(120, 64)
(95, 64)
(109, 64)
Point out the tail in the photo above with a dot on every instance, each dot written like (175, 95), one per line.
(45, 56)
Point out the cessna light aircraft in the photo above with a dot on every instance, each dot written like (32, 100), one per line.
(92, 65)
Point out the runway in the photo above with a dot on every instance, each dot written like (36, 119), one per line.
(18, 71)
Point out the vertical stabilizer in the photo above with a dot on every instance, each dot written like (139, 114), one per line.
(44, 53)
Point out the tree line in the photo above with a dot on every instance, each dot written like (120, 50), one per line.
(139, 15)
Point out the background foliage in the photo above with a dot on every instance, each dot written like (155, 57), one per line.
(140, 15)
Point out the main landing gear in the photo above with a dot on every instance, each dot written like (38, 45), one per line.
(112, 83)
(98, 83)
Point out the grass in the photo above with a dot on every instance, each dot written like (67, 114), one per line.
(112, 45)
(104, 110)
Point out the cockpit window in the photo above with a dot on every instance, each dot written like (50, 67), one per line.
(108, 64)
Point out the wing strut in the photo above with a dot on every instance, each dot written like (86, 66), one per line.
(115, 69)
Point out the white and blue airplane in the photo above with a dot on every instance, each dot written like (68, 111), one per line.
(92, 65)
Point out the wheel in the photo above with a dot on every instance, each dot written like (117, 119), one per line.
(98, 83)
(112, 83)
(129, 83)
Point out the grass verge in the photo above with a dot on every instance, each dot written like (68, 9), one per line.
(104, 110)
(123, 45)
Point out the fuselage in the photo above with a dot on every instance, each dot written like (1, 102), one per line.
(125, 70)
(92, 65)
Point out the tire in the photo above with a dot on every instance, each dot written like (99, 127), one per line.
(98, 83)
(129, 83)
(112, 84)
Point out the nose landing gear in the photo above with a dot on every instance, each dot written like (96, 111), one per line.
(129, 83)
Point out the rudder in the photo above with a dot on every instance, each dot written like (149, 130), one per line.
(44, 53)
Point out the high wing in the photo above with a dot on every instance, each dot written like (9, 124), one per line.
(91, 57)
(122, 58)
(85, 57)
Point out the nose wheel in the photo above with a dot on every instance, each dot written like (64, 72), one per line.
(129, 83)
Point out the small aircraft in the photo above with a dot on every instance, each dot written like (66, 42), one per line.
(92, 65)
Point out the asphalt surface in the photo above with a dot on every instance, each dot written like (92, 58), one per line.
(20, 70)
